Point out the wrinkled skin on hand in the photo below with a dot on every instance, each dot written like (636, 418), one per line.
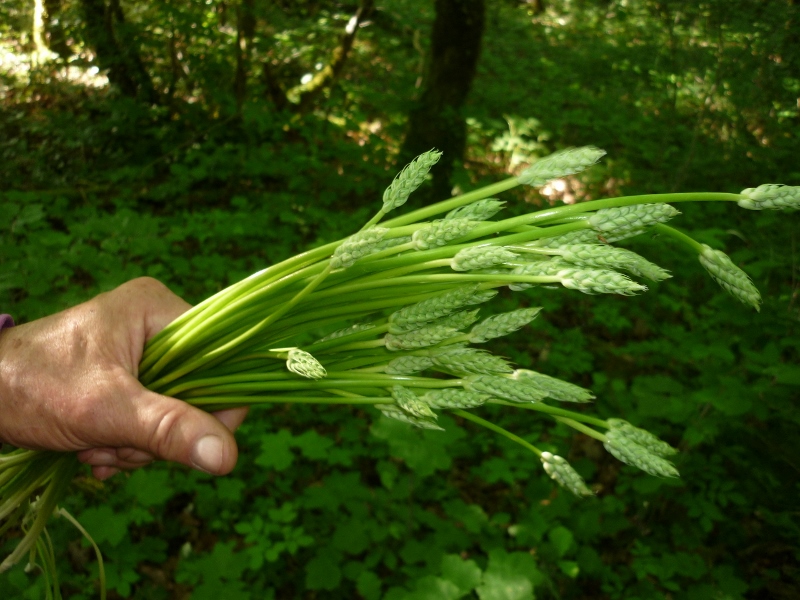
(69, 382)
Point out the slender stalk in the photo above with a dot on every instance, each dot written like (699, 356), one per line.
(680, 236)
(62, 512)
(497, 429)
(553, 410)
(453, 203)
(583, 428)
(235, 401)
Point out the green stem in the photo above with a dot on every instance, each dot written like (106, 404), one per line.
(100, 567)
(583, 428)
(236, 401)
(497, 429)
(553, 410)
(453, 203)
(680, 236)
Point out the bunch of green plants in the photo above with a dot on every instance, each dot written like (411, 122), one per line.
(408, 290)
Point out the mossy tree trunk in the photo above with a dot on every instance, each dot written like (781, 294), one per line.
(437, 119)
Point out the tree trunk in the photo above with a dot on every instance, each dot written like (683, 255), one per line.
(116, 49)
(54, 31)
(437, 120)
(245, 30)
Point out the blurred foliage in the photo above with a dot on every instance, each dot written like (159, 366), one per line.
(203, 184)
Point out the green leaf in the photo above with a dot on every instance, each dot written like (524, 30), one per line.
(465, 574)
(509, 576)
(312, 445)
(322, 572)
(275, 452)
(150, 487)
(369, 585)
(561, 538)
(434, 588)
(351, 537)
(104, 525)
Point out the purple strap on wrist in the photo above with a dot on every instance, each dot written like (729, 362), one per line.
(6, 321)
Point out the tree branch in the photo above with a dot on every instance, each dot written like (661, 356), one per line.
(304, 95)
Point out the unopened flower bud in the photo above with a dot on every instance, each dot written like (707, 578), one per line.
(465, 361)
(771, 196)
(411, 403)
(631, 453)
(392, 411)
(409, 179)
(504, 387)
(730, 277)
(502, 324)
(562, 473)
(357, 246)
(419, 338)
(599, 281)
(441, 233)
(416, 315)
(481, 257)
(452, 399)
(560, 164)
(626, 221)
(557, 389)
(481, 210)
(408, 365)
(642, 437)
(305, 365)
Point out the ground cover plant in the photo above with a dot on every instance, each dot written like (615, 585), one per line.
(222, 353)
(100, 188)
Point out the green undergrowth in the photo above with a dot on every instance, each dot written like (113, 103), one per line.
(333, 502)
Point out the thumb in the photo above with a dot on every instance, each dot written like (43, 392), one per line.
(174, 430)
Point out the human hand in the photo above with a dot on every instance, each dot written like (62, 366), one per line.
(69, 382)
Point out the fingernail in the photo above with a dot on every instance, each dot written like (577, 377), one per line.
(207, 454)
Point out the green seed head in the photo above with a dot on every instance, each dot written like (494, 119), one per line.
(642, 437)
(392, 242)
(481, 296)
(305, 365)
(416, 315)
(459, 320)
(599, 281)
(411, 403)
(626, 221)
(581, 236)
(562, 473)
(467, 361)
(408, 365)
(358, 327)
(441, 233)
(419, 338)
(608, 257)
(409, 179)
(357, 246)
(560, 164)
(626, 450)
(730, 277)
(502, 324)
(555, 388)
(504, 387)
(452, 399)
(481, 210)
(537, 268)
(394, 412)
(481, 257)
(771, 196)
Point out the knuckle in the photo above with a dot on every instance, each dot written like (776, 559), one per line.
(166, 438)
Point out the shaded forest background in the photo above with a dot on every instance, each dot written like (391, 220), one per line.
(197, 142)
